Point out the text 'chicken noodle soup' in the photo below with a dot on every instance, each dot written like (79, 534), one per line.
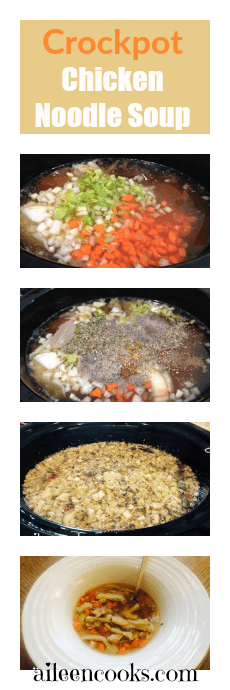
(109, 486)
(120, 351)
(108, 620)
(123, 216)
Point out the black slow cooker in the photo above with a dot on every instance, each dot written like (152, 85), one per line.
(190, 168)
(37, 305)
(187, 441)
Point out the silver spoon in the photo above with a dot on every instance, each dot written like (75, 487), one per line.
(141, 573)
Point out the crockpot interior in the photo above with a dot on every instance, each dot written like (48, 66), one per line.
(40, 305)
(193, 169)
(186, 441)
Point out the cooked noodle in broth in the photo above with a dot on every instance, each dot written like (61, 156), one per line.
(109, 621)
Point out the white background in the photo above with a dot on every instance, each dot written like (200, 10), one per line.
(217, 278)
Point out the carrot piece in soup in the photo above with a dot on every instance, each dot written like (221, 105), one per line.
(101, 241)
(172, 236)
(101, 646)
(128, 197)
(74, 223)
(96, 394)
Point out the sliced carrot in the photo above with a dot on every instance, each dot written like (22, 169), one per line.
(132, 206)
(172, 236)
(148, 384)
(96, 252)
(139, 240)
(96, 394)
(101, 646)
(100, 241)
(130, 387)
(138, 643)
(128, 197)
(76, 254)
(74, 223)
(86, 248)
(111, 386)
(76, 624)
(173, 259)
(124, 647)
(99, 228)
(91, 594)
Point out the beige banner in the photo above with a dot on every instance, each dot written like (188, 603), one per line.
(143, 77)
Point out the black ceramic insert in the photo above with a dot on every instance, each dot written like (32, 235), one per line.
(192, 168)
(187, 441)
(38, 305)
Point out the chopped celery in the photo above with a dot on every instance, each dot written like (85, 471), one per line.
(96, 190)
(72, 358)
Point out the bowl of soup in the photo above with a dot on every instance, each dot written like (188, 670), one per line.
(181, 637)
(114, 213)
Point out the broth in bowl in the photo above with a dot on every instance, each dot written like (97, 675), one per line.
(109, 620)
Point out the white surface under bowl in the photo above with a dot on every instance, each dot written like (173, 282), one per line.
(181, 642)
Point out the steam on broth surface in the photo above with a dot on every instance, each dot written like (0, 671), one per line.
(123, 215)
(111, 486)
(108, 621)
(120, 351)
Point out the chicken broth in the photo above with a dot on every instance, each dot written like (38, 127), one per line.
(120, 351)
(123, 215)
(109, 486)
(109, 621)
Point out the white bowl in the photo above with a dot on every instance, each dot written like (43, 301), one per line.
(181, 642)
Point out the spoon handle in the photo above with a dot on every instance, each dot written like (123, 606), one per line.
(141, 573)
